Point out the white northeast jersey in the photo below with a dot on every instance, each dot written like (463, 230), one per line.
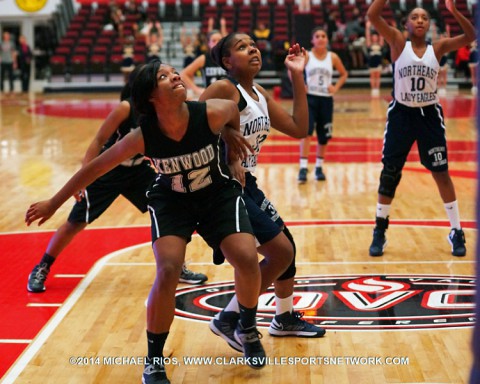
(254, 125)
(318, 74)
(415, 78)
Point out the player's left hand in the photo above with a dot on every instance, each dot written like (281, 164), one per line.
(79, 195)
(237, 171)
(450, 5)
(237, 145)
(295, 60)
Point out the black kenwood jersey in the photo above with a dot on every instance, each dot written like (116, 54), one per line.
(211, 72)
(190, 165)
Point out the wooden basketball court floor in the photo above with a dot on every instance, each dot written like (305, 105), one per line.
(89, 326)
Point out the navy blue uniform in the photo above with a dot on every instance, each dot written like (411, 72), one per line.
(131, 180)
(415, 113)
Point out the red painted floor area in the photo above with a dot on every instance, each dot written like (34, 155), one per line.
(23, 251)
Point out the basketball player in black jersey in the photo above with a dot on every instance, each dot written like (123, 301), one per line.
(210, 70)
(130, 179)
(193, 191)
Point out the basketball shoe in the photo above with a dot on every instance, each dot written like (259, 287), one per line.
(302, 175)
(292, 324)
(36, 279)
(456, 238)
(223, 325)
(319, 175)
(253, 350)
(154, 373)
(379, 241)
(190, 277)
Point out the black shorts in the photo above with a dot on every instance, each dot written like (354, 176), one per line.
(320, 113)
(214, 215)
(375, 62)
(424, 125)
(130, 182)
(265, 220)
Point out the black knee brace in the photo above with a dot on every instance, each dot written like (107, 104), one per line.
(389, 179)
(291, 270)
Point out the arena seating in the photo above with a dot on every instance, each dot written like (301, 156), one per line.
(90, 50)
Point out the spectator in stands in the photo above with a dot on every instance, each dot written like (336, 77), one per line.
(211, 72)
(153, 33)
(24, 60)
(443, 71)
(117, 19)
(222, 26)
(201, 44)
(375, 58)
(188, 41)
(472, 65)
(355, 38)
(262, 35)
(128, 62)
(304, 6)
(8, 58)
(462, 59)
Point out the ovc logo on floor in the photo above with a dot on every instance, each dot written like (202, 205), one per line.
(353, 302)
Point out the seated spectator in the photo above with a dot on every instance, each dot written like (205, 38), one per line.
(472, 65)
(354, 35)
(263, 36)
(374, 43)
(462, 59)
(128, 62)
(443, 71)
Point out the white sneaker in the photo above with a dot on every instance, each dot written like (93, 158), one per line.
(474, 91)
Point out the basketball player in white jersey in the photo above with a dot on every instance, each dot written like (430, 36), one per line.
(238, 54)
(416, 115)
(320, 63)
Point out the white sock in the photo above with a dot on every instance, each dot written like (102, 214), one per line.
(453, 214)
(283, 305)
(303, 162)
(383, 210)
(232, 306)
(319, 162)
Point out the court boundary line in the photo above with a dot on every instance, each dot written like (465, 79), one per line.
(20, 364)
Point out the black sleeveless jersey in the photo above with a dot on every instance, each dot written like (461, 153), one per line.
(211, 72)
(124, 129)
(191, 165)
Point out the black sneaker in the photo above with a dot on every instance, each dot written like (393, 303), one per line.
(456, 238)
(36, 279)
(319, 175)
(252, 347)
(190, 277)
(302, 175)
(292, 324)
(154, 372)
(379, 241)
(223, 325)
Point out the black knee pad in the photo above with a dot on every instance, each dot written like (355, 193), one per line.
(291, 270)
(389, 180)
